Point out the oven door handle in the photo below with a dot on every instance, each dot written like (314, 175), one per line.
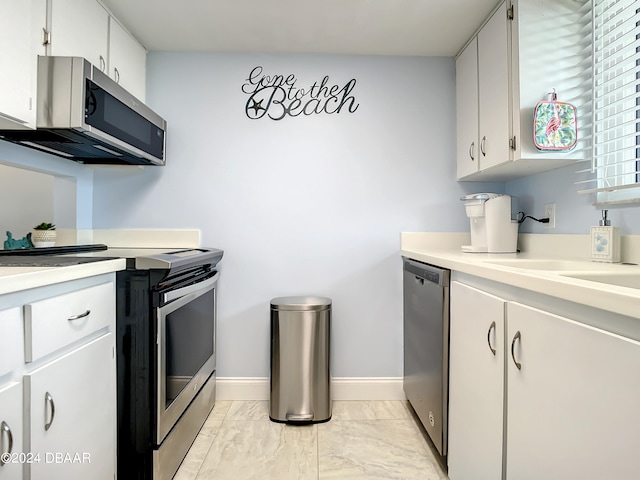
(181, 292)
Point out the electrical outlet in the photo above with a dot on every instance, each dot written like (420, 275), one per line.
(550, 213)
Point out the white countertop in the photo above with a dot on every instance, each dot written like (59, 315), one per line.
(14, 279)
(129, 242)
(523, 274)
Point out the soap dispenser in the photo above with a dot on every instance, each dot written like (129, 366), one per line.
(605, 241)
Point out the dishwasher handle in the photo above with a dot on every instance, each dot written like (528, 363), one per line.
(428, 273)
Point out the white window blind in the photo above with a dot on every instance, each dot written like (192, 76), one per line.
(616, 101)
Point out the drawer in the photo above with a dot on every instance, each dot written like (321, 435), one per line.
(10, 340)
(55, 322)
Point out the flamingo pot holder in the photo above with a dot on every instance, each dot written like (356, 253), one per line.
(555, 125)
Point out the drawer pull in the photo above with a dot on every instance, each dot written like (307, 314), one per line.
(492, 327)
(48, 399)
(517, 336)
(5, 428)
(77, 317)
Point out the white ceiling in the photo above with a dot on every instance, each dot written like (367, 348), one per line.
(367, 27)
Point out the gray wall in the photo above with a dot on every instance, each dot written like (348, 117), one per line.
(306, 205)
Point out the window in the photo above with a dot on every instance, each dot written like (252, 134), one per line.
(616, 101)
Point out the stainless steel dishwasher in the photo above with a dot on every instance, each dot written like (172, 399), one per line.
(426, 346)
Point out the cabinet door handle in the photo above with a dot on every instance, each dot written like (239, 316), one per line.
(116, 74)
(79, 316)
(103, 64)
(46, 37)
(482, 145)
(48, 400)
(517, 336)
(4, 428)
(491, 327)
(471, 149)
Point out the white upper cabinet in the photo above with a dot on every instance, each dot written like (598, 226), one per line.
(493, 88)
(525, 50)
(127, 60)
(84, 28)
(482, 98)
(76, 28)
(468, 146)
(21, 30)
(80, 28)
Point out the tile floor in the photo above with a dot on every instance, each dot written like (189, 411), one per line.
(363, 440)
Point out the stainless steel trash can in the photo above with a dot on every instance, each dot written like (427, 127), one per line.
(300, 377)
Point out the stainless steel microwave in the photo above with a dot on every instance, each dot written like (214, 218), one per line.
(84, 115)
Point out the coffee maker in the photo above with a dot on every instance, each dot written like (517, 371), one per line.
(492, 227)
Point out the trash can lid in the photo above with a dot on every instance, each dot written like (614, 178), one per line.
(301, 303)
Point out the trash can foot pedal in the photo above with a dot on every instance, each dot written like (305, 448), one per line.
(295, 417)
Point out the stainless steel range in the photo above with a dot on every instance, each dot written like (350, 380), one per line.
(166, 347)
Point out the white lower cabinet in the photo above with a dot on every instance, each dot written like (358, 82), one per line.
(476, 379)
(11, 431)
(559, 400)
(58, 381)
(72, 414)
(574, 404)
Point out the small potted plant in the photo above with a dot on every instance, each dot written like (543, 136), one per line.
(44, 235)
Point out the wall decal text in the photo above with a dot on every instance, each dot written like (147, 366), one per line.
(277, 96)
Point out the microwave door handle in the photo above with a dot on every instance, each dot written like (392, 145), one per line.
(181, 292)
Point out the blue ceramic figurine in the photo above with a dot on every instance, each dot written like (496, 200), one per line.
(12, 244)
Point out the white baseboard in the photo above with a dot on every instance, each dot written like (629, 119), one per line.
(367, 388)
(342, 388)
(242, 388)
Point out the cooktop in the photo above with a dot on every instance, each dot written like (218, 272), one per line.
(60, 250)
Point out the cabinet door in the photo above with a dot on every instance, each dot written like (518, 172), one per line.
(21, 24)
(72, 405)
(493, 87)
(127, 60)
(468, 147)
(573, 405)
(80, 28)
(11, 430)
(476, 384)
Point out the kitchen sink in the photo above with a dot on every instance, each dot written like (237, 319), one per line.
(551, 265)
(629, 280)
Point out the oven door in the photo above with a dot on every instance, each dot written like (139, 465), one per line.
(186, 348)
